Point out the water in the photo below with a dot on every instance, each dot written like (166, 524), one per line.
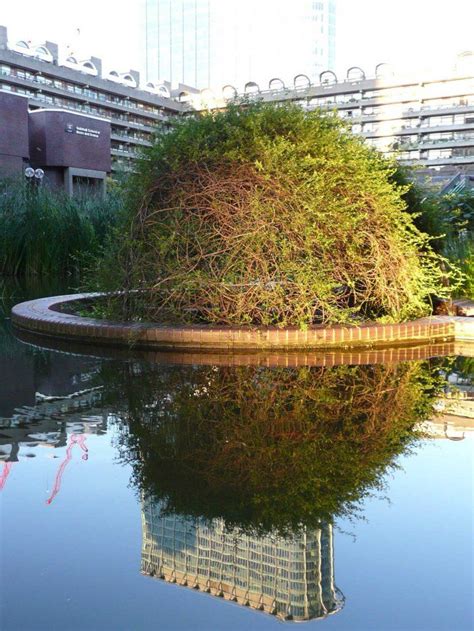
(312, 493)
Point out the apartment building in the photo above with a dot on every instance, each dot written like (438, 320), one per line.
(50, 80)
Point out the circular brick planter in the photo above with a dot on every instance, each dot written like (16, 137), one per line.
(46, 317)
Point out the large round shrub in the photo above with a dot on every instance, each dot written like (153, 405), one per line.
(265, 214)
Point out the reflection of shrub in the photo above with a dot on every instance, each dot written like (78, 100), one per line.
(269, 215)
(269, 448)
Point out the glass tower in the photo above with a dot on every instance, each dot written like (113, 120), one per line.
(290, 577)
(210, 43)
(177, 43)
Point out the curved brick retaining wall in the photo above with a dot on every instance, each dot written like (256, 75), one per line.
(45, 317)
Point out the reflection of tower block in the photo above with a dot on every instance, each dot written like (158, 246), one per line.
(292, 578)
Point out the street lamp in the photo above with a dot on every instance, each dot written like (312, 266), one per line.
(35, 175)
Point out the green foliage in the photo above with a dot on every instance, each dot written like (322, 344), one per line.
(268, 215)
(46, 233)
(267, 449)
(449, 220)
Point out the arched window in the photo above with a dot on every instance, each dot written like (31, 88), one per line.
(163, 90)
(383, 70)
(355, 74)
(276, 84)
(127, 78)
(465, 62)
(71, 60)
(328, 77)
(301, 81)
(229, 92)
(184, 96)
(43, 53)
(251, 88)
(89, 67)
(22, 44)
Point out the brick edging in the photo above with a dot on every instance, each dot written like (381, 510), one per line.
(43, 317)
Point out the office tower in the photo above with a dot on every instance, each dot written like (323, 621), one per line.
(177, 41)
(289, 577)
(210, 43)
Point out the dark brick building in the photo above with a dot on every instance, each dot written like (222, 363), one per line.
(14, 137)
(73, 150)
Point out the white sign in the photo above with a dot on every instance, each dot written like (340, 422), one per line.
(86, 131)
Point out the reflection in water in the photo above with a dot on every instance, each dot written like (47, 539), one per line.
(268, 449)
(291, 577)
(54, 422)
(241, 470)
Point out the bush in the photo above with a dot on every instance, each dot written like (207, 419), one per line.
(46, 233)
(269, 215)
(449, 219)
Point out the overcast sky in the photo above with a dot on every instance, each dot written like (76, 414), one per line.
(402, 32)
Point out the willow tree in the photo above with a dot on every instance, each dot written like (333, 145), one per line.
(264, 214)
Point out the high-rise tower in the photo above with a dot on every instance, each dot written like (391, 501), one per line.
(177, 41)
(209, 43)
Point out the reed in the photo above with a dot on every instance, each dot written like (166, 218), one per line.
(46, 233)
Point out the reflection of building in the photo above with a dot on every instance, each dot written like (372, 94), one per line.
(51, 421)
(292, 578)
(208, 43)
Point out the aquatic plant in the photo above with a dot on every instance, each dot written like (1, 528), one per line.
(46, 233)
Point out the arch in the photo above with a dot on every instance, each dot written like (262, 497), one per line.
(113, 74)
(276, 84)
(301, 81)
(383, 70)
(71, 60)
(43, 53)
(163, 90)
(327, 77)
(184, 96)
(208, 93)
(465, 61)
(355, 73)
(251, 87)
(127, 77)
(22, 44)
(89, 66)
(229, 92)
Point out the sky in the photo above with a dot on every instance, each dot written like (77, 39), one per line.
(406, 33)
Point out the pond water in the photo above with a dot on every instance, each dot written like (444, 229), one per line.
(137, 494)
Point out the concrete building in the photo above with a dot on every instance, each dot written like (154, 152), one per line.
(426, 121)
(50, 80)
(291, 578)
(208, 43)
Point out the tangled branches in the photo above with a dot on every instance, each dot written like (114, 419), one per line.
(272, 217)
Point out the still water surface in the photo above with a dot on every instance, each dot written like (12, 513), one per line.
(137, 495)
